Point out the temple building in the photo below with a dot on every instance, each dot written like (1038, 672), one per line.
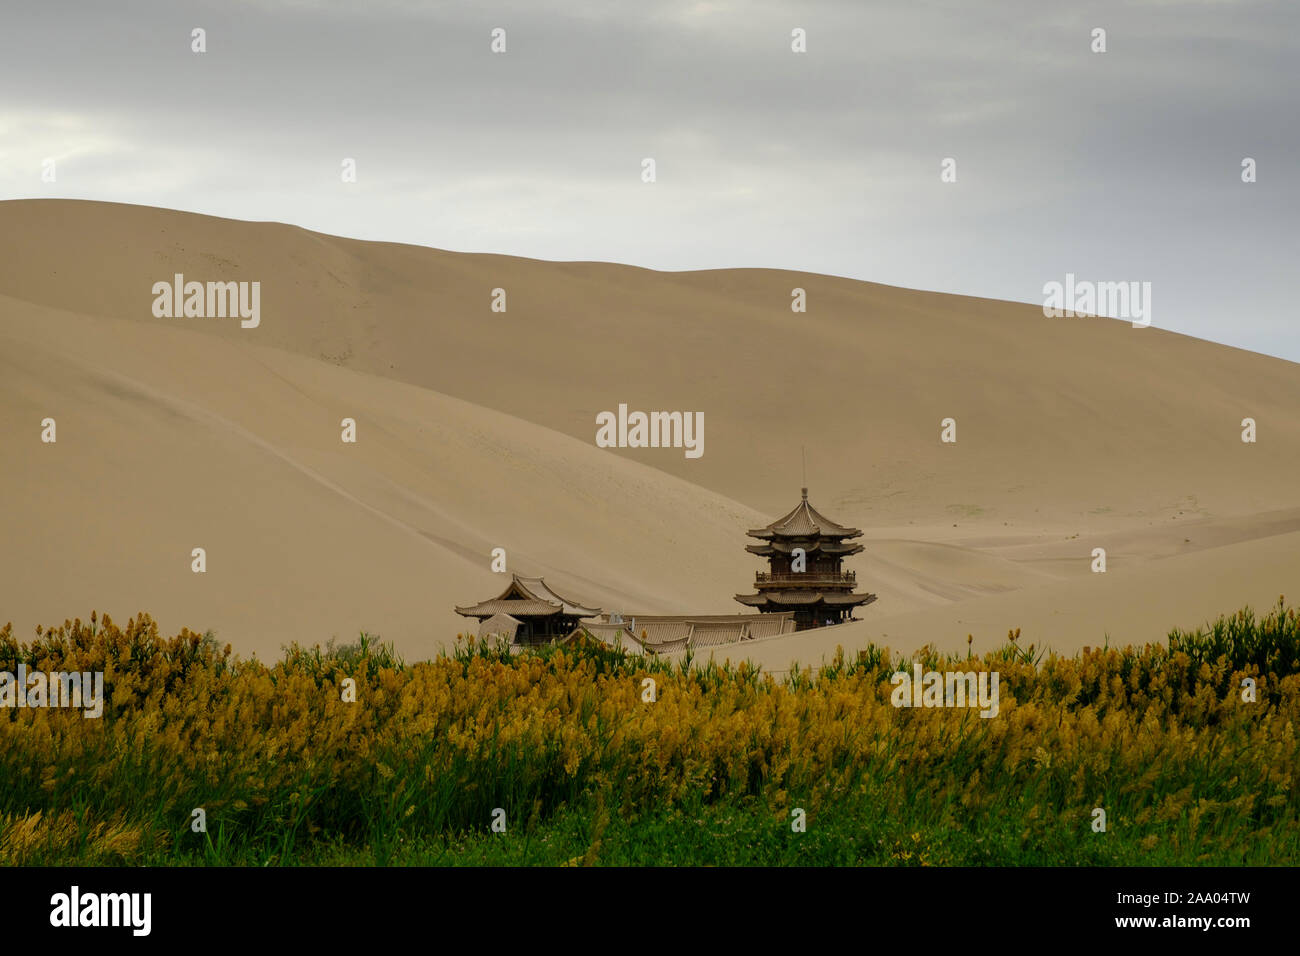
(528, 612)
(809, 583)
(802, 589)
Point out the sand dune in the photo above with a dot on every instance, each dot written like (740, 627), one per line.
(168, 440)
(476, 431)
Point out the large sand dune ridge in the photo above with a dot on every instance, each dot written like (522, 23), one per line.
(475, 430)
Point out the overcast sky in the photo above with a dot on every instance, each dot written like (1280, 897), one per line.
(1123, 165)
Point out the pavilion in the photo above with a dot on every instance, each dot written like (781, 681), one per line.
(529, 611)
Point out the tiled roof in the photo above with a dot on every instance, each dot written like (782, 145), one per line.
(662, 633)
(528, 596)
(781, 597)
(804, 521)
(845, 599)
(713, 634)
(614, 635)
(527, 608)
(656, 634)
(804, 598)
(770, 625)
(817, 546)
(639, 619)
(538, 588)
(669, 646)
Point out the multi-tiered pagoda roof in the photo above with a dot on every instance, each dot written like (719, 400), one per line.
(804, 549)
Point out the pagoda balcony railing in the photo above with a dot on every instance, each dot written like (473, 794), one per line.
(820, 578)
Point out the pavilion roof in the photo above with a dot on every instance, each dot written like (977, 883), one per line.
(515, 608)
(530, 597)
(823, 546)
(804, 598)
(804, 521)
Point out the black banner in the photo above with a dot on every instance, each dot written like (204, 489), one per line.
(327, 906)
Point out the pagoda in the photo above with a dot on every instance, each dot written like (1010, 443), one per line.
(529, 612)
(810, 583)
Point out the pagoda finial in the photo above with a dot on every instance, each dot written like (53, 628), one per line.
(805, 493)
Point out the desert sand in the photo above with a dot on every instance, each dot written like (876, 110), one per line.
(475, 430)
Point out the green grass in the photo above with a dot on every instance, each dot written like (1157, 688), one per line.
(855, 833)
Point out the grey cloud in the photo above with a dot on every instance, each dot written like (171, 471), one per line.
(1117, 166)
